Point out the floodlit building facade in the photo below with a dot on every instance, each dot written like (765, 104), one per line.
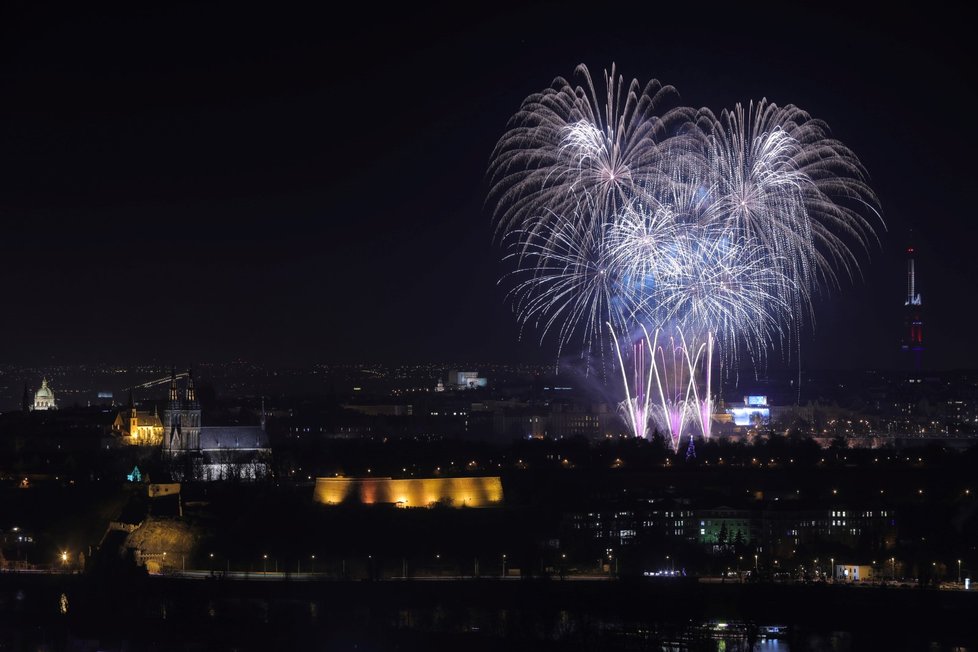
(411, 492)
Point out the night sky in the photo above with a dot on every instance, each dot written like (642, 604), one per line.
(215, 182)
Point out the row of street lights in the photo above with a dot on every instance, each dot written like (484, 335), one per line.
(563, 556)
(64, 558)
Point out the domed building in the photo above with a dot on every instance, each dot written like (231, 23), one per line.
(44, 398)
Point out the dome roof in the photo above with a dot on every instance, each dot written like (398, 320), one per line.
(44, 391)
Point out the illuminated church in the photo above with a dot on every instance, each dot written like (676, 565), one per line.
(213, 452)
(181, 419)
(138, 427)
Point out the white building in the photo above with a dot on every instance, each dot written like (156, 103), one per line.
(44, 398)
(852, 573)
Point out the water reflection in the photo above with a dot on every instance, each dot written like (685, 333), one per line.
(772, 644)
(766, 645)
(737, 645)
(258, 622)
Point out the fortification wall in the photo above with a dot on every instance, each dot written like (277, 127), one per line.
(411, 492)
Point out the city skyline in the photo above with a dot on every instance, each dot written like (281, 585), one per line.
(513, 326)
(248, 197)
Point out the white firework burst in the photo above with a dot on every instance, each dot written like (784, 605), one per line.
(566, 282)
(569, 145)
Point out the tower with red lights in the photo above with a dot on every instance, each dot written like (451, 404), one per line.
(913, 324)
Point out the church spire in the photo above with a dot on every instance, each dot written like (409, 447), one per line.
(191, 390)
(174, 393)
(133, 418)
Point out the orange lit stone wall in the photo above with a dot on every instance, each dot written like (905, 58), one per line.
(410, 492)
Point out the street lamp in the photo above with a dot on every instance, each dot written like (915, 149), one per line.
(832, 567)
(504, 565)
(959, 571)
(64, 558)
(264, 563)
(755, 563)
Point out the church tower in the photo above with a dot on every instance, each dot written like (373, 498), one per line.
(181, 418)
(133, 418)
(172, 431)
(191, 416)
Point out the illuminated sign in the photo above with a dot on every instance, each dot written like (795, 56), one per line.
(756, 401)
(469, 379)
(746, 416)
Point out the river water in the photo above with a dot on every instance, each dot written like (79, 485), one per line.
(53, 616)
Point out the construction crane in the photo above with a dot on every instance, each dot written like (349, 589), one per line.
(157, 381)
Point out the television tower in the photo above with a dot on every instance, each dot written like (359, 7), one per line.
(913, 325)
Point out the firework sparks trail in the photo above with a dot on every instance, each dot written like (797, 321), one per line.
(636, 410)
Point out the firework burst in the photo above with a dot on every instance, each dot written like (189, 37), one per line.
(570, 145)
(624, 212)
(566, 282)
(787, 185)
